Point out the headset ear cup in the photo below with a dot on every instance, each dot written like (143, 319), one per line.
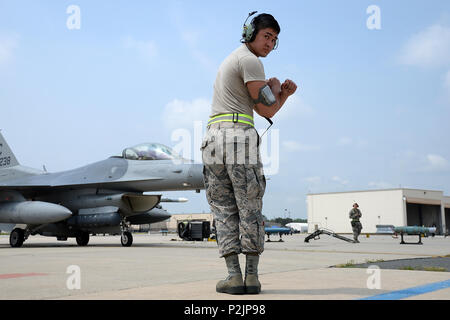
(248, 33)
(248, 30)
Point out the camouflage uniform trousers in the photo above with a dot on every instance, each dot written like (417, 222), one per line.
(356, 227)
(235, 184)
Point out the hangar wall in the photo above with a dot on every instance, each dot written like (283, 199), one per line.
(331, 210)
(398, 207)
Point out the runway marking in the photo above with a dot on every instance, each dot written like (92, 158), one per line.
(410, 292)
(20, 275)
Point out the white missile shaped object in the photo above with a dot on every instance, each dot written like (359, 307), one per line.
(32, 212)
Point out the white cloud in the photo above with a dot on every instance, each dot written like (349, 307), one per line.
(8, 43)
(436, 163)
(293, 146)
(147, 49)
(182, 114)
(420, 163)
(428, 48)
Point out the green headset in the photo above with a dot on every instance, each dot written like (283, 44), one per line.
(248, 31)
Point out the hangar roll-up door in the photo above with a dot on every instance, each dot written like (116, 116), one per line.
(427, 215)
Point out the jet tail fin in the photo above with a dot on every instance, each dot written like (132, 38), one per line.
(10, 168)
(7, 157)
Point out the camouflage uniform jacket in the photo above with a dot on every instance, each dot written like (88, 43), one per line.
(355, 214)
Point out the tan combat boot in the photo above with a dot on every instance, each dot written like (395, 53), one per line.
(252, 284)
(233, 284)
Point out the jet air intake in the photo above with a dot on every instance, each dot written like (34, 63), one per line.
(32, 212)
(128, 203)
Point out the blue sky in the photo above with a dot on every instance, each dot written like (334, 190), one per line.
(372, 110)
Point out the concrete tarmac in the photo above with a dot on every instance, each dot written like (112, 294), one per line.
(159, 267)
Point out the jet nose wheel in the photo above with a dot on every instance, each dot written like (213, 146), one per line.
(126, 239)
(16, 238)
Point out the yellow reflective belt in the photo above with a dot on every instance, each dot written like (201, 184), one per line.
(232, 117)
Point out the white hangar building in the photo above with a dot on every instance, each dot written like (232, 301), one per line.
(398, 207)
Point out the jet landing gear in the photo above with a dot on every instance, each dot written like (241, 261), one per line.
(127, 238)
(17, 238)
(82, 239)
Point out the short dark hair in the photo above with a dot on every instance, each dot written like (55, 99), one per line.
(262, 21)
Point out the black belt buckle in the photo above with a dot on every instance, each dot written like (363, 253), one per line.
(235, 117)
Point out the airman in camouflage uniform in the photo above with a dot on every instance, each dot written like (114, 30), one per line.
(355, 215)
(235, 184)
(233, 172)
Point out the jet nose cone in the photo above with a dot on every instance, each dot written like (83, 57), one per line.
(196, 176)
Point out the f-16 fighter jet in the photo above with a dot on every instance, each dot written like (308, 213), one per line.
(102, 197)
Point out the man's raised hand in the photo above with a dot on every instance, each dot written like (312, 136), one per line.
(288, 88)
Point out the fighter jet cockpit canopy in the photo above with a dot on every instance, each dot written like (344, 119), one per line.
(149, 151)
